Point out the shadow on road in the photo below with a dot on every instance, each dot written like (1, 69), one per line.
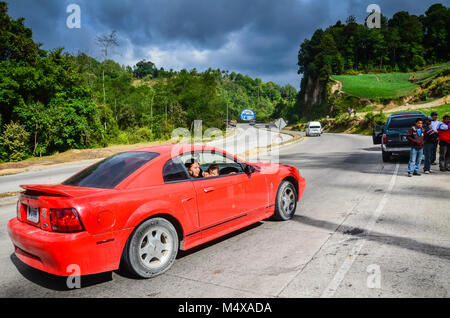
(376, 149)
(364, 162)
(54, 282)
(403, 242)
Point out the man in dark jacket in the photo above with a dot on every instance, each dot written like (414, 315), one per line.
(416, 140)
(431, 138)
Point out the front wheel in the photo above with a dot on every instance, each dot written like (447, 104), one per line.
(286, 201)
(151, 249)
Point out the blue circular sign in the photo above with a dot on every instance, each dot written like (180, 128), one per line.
(247, 114)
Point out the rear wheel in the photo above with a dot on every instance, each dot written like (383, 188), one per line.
(286, 201)
(151, 249)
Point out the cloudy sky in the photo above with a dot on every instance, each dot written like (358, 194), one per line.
(260, 38)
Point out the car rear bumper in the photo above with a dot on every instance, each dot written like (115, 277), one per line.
(405, 149)
(55, 252)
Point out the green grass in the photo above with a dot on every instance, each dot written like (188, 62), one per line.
(388, 85)
(366, 109)
(430, 72)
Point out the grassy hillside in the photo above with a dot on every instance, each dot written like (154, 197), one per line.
(389, 85)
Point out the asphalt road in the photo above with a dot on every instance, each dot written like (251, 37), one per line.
(362, 229)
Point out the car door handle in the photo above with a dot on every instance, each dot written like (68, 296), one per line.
(208, 189)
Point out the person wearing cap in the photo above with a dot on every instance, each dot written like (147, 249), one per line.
(430, 139)
(444, 144)
(434, 125)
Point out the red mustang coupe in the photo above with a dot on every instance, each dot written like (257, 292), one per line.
(138, 208)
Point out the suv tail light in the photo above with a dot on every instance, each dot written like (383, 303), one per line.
(65, 220)
(384, 138)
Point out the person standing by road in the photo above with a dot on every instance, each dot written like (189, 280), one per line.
(416, 140)
(430, 139)
(444, 144)
(434, 125)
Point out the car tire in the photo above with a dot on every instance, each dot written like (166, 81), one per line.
(386, 156)
(151, 249)
(285, 202)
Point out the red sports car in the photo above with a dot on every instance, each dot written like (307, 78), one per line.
(138, 208)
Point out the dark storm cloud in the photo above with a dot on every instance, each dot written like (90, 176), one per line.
(257, 37)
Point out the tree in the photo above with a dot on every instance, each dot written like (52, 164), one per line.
(16, 40)
(145, 68)
(105, 42)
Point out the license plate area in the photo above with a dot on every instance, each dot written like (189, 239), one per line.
(33, 214)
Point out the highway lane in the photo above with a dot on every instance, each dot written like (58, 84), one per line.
(246, 138)
(362, 229)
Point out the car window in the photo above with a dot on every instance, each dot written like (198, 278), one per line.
(174, 170)
(109, 172)
(226, 165)
(403, 122)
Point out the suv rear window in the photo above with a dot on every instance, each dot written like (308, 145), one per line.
(109, 172)
(403, 122)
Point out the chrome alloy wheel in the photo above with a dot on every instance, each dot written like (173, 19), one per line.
(156, 247)
(288, 201)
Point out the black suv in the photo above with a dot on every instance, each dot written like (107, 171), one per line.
(392, 135)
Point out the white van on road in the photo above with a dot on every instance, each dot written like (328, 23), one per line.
(313, 128)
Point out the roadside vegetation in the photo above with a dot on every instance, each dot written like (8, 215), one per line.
(351, 65)
(402, 64)
(52, 101)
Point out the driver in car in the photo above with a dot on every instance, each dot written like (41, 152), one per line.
(193, 168)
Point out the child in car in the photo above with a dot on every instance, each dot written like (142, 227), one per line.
(213, 171)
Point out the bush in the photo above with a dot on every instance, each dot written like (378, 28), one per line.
(13, 142)
(142, 134)
(122, 138)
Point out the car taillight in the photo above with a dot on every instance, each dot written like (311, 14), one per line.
(19, 212)
(65, 220)
(384, 138)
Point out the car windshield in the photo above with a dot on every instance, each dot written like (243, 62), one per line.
(109, 172)
(403, 122)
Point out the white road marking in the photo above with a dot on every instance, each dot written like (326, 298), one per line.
(345, 267)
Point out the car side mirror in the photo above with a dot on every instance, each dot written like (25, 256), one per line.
(249, 169)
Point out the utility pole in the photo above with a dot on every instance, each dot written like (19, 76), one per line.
(227, 117)
(105, 42)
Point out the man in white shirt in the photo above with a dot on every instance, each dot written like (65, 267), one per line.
(434, 125)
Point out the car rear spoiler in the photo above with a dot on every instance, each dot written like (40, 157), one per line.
(60, 190)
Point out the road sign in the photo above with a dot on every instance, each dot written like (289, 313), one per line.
(280, 123)
(247, 114)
